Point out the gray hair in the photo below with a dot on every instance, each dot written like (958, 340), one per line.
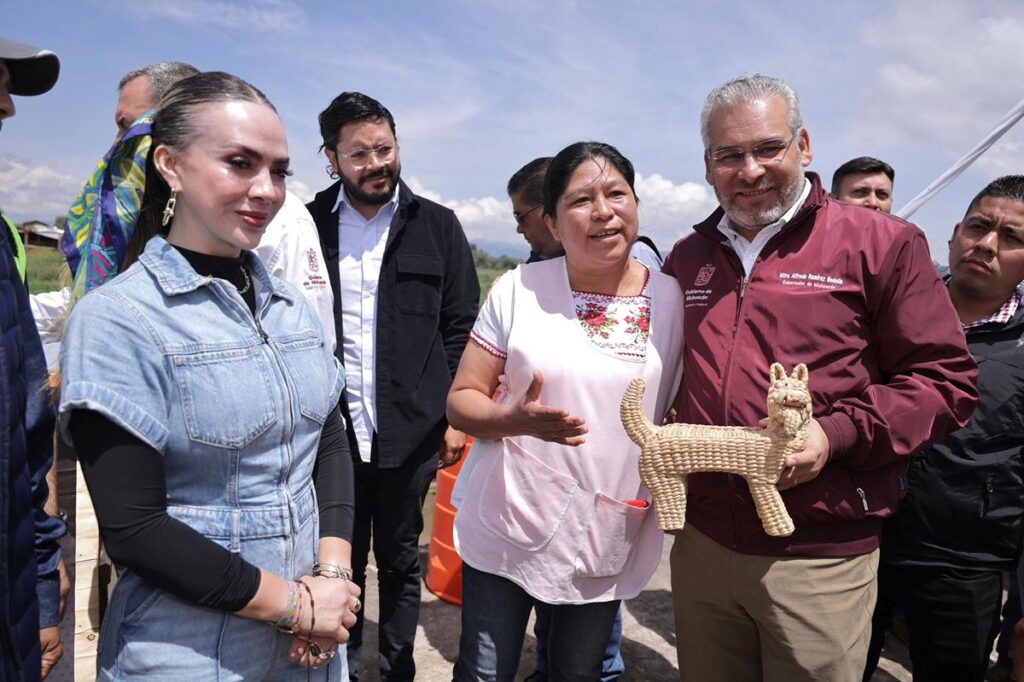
(750, 89)
(161, 75)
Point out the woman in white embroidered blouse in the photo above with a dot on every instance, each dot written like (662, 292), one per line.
(551, 509)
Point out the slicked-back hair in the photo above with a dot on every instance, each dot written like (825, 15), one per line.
(161, 77)
(528, 181)
(1006, 187)
(174, 125)
(862, 164)
(346, 108)
(745, 89)
(569, 159)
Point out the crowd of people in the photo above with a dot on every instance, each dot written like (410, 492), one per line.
(260, 392)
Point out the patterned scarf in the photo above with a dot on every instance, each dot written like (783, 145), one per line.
(103, 218)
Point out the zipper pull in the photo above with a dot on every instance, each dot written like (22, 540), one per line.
(259, 328)
(863, 498)
(743, 286)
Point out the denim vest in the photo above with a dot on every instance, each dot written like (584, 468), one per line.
(234, 402)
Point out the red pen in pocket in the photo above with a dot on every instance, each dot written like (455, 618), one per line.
(639, 504)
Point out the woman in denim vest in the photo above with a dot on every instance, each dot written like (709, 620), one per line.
(203, 403)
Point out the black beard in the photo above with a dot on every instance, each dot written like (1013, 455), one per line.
(354, 191)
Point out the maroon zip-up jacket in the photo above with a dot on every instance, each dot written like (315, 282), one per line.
(852, 293)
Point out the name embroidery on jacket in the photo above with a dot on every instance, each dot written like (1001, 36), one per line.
(810, 279)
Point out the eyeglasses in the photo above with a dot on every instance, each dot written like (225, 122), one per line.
(772, 151)
(520, 217)
(360, 158)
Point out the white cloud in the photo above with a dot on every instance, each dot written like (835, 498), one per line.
(947, 73)
(301, 190)
(483, 218)
(258, 15)
(35, 192)
(667, 211)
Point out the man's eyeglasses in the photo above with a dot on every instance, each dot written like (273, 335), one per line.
(360, 158)
(772, 151)
(520, 217)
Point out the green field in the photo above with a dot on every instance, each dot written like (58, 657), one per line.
(45, 266)
(487, 277)
(45, 269)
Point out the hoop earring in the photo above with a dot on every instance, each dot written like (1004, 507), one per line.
(169, 209)
(331, 173)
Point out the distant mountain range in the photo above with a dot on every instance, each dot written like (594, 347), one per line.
(518, 251)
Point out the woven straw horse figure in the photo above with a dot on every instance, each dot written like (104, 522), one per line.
(669, 453)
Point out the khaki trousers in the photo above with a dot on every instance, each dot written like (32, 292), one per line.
(742, 617)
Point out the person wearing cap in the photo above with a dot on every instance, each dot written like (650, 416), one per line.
(29, 582)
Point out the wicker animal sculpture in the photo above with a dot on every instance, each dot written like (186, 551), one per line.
(669, 453)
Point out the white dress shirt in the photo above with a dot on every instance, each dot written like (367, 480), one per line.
(748, 251)
(361, 245)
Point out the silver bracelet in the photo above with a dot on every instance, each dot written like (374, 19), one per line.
(332, 571)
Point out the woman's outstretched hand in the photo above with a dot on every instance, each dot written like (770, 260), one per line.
(529, 417)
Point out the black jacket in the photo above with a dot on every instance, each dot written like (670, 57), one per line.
(965, 501)
(29, 584)
(427, 300)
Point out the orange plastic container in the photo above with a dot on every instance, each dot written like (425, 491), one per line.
(444, 566)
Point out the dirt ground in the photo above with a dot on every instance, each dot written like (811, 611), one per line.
(648, 645)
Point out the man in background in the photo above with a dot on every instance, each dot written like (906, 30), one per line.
(406, 296)
(29, 552)
(865, 181)
(945, 554)
(526, 190)
(141, 89)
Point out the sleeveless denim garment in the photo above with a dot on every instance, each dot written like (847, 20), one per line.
(235, 405)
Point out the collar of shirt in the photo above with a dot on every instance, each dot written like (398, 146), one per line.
(1005, 312)
(748, 251)
(342, 200)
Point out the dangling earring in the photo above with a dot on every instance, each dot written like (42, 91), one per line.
(169, 209)
(331, 173)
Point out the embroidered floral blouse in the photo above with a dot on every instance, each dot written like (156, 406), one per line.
(616, 324)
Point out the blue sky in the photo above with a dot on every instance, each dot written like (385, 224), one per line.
(479, 88)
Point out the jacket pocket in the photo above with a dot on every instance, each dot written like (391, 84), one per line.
(311, 379)
(998, 526)
(839, 494)
(523, 500)
(608, 538)
(418, 285)
(227, 399)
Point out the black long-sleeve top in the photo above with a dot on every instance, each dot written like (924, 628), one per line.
(128, 487)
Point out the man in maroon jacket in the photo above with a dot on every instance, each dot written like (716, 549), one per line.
(783, 272)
